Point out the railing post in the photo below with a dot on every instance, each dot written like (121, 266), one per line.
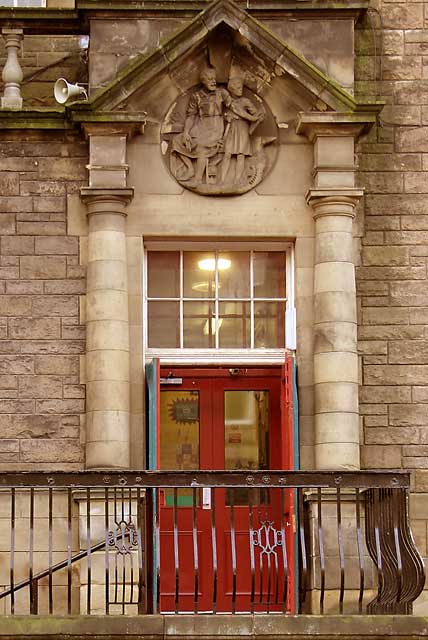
(34, 599)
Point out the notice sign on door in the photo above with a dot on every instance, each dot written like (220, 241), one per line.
(235, 438)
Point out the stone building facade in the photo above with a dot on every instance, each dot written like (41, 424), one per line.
(85, 190)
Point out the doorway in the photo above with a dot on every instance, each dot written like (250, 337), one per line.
(225, 419)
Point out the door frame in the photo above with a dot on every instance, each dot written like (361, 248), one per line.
(289, 424)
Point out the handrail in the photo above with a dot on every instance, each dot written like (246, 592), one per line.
(138, 522)
(394, 479)
(56, 567)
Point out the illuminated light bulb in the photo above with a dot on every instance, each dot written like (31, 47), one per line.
(208, 264)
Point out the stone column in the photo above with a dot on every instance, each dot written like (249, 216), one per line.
(335, 331)
(12, 73)
(107, 346)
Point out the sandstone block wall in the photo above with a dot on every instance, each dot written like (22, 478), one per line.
(392, 48)
(41, 280)
(392, 64)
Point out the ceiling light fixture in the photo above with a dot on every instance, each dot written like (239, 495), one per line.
(208, 264)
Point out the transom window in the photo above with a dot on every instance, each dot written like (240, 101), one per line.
(22, 3)
(217, 299)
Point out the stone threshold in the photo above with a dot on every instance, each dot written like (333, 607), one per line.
(155, 627)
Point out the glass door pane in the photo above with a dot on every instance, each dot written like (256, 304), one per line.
(246, 430)
(179, 437)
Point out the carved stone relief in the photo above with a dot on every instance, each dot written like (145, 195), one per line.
(219, 139)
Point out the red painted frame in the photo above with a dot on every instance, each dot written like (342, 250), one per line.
(211, 382)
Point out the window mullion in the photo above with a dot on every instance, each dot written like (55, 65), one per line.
(181, 305)
(216, 322)
(251, 300)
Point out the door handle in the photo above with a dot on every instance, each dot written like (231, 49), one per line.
(206, 498)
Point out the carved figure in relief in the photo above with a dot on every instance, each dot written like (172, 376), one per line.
(242, 118)
(202, 137)
(218, 140)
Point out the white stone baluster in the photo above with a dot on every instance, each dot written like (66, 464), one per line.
(12, 73)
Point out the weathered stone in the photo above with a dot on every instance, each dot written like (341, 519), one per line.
(420, 394)
(55, 305)
(40, 386)
(408, 67)
(396, 374)
(415, 463)
(63, 169)
(65, 287)
(49, 204)
(32, 187)
(384, 223)
(25, 328)
(39, 426)
(380, 457)
(56, 364)
(60, 406)
(15, 306)
(17, 245)
(49, 451)
(376, 421)
(372, 347)
(393, 256)
(24, 287)
(14, 204)
(413, 294)
(385, 315)
(56, 246)
(42, 267)
(413, 183)
(411, 204)
(16, 406)
(374, 301)
(373, 238)
(383, 182)
(413, 139)
(372, 409)
(391, 273)
(392, 435)
(408, 351)
(7, 224)
(74, 390)
(9, 183)
(53, 346)
(411, 223)
(373, 287)
(418, 316)
(41, 228)
(401, 415)
(390, 332)
(399, 15)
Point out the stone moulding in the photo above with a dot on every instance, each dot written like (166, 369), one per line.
(109, 105)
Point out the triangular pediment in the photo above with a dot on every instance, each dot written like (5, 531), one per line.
(174, 66)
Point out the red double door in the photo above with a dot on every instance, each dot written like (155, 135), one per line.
(228, 550)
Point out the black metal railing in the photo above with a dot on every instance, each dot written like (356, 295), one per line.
(207, 542)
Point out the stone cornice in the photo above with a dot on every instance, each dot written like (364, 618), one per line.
(74, 116)
(61, 21)
(53, 118)
(332, 123)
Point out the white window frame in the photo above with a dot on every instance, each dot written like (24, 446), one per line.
(194, 356)
(21, 4)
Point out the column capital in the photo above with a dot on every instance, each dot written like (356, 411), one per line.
(101, 200)
(335, 202)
